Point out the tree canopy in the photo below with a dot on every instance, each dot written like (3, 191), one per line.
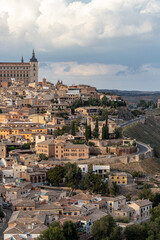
(106, 229)
(42, 156)
(57, 232)
(55, 175)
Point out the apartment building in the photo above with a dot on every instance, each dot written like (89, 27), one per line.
(63, 150)
(47, 147)
(118, 178)
(142, 209)
(88, 111)
(33, 177)
(101, 169)
(13, 194)
(23, 131)
(71, 151)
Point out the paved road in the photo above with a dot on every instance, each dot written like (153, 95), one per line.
(4, 225)
(132, 121)
(141, 148)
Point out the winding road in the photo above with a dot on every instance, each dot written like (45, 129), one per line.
(132, 121)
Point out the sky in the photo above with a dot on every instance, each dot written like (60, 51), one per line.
(110, 44)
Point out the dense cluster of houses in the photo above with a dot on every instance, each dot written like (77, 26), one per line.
(34, 208)
(30, 114)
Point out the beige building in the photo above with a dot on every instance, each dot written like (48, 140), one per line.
(58, 121)
(26, 101)
(37, 118)
(25, 224)
(61, 149)
(23, 204)
(47, 147)
(33, 177)
(115, 203)
(88, 111)
(71, 151)
(111, 125)
(20, 71)
(17, 169)
(142, 209)
(3, 150)
(13, 194)
(4, 117)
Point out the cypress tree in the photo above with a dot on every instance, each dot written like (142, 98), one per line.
(106, 127)
(89, 132)
(104, 132)
(73, 131)
(96, 130)
(86, 131)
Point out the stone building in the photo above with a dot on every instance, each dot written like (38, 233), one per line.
(33, 177)
(25, 72)
(63, 150)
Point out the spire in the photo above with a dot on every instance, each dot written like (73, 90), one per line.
(33, 59)
(22, 60)
(33, 54)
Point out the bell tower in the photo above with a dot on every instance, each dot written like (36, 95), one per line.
(33, 68)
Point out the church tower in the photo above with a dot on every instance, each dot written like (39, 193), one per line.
(33, 69)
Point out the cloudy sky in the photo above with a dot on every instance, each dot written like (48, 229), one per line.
(113, 44)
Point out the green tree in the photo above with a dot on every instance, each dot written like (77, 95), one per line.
(118, 132)
(156, 200)
(25, 146)
(73, 175)
(54, 232)
(57, 132)
(55, 175)
(73, 130)
(113, 189)
(103, 228)
(153, 230)
(142, 103)
(86, 132)
(96, 129)
(155, 214)
(60, 132)
(89, 132)
(116, 234)
(70, 231)
(42, 156)
(105, 130)
(146, 193)
(135, 232)
(1, 213)
(104, 101)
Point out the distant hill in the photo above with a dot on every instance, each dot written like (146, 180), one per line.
(148, 133)
(133, 97)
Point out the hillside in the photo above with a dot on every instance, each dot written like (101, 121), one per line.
(133, 97)
(148, 133)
